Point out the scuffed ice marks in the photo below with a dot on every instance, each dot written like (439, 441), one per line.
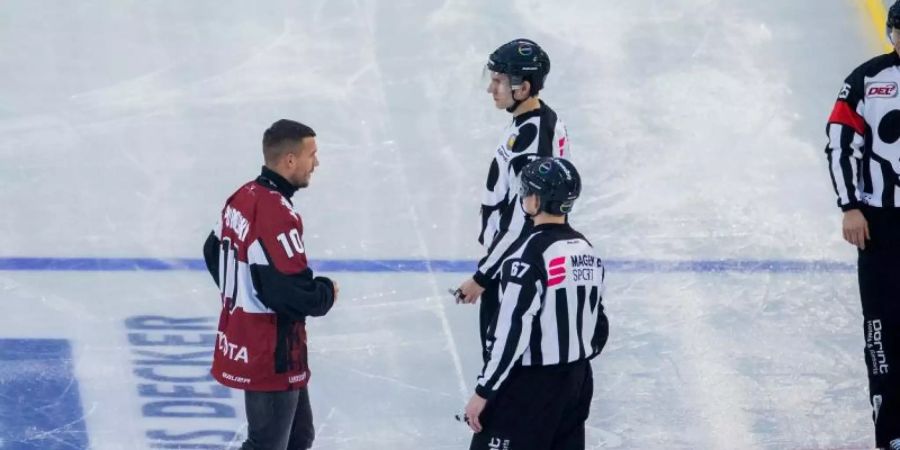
(697, 147)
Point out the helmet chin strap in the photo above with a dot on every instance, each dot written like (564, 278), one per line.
(516, 103)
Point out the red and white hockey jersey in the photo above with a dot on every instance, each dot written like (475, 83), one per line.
(257, 258)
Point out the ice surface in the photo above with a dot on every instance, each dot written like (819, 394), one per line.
(697, 124)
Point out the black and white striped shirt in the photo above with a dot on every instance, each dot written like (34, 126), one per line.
(551, 310)
(863, 131)
(531, 135)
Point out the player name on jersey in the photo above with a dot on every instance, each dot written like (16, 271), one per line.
(236, 222)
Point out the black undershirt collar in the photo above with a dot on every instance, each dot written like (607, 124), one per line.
(270, 179)
(550, 226)
(521, 118)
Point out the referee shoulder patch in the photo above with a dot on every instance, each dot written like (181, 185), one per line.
(527, 135)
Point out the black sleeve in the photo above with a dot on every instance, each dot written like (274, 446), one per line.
(211, 256)
(295, 296)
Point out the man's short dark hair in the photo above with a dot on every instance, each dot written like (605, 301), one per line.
(282, 132)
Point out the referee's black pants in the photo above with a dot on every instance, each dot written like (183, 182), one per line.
(278, 420)
(879, 288)
(538, 408)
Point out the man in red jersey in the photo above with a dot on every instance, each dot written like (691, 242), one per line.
(257, 258)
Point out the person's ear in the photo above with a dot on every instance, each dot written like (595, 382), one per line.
(523, 92)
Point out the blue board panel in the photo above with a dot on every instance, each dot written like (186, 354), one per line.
(40, 407)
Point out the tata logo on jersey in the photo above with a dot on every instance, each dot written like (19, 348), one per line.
(232, 351)
(881, 90)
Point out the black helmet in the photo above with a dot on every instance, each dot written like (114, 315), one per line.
(893, 20)
(556, 183)
(893, 16)
(521, 59)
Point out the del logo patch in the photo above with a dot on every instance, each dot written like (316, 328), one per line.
(886, 89)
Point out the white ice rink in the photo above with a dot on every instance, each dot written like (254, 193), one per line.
(698, 126)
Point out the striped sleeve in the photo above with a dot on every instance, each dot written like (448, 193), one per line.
(502, 247)
(846, 130)
(520, 301)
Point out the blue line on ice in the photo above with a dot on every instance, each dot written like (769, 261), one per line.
(434, 265)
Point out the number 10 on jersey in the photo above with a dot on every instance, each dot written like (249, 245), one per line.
(292, 245)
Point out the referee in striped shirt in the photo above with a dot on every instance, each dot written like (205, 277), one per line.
(535, 389)
(864, 156)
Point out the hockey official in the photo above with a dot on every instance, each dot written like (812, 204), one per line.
(518, 70)
(535, 389)
(864, 157)
(256, 256)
